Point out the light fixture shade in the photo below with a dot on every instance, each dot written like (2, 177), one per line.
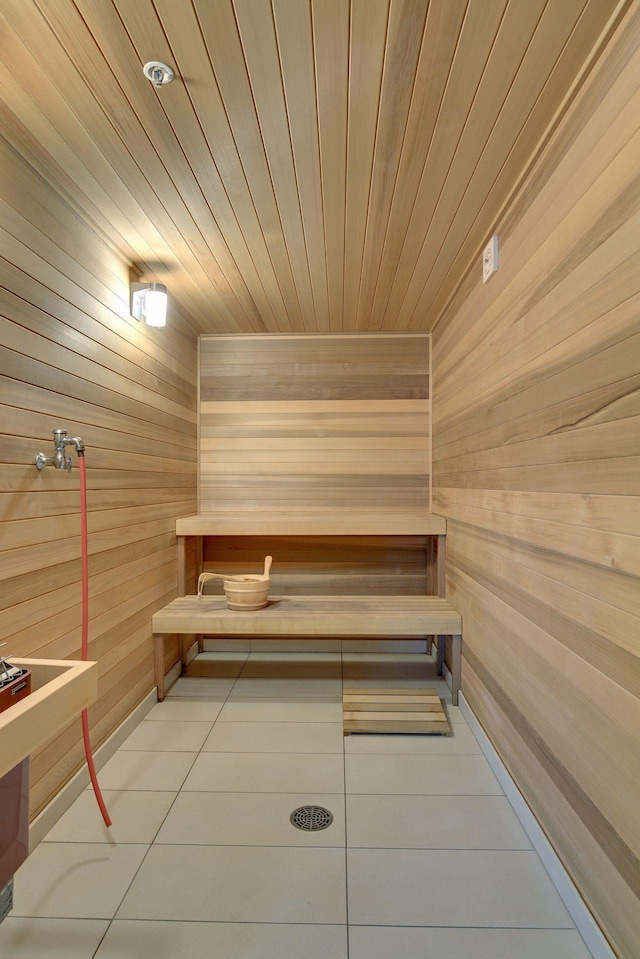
(155, 305)
(149, 301)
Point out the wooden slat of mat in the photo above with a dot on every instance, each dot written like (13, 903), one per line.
(403, 716)
(398, 707)
(393, 710)
(407, 692)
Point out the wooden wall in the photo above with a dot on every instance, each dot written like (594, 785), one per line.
(314, 422)
(72, 358)
(536, 404)
(317, 424)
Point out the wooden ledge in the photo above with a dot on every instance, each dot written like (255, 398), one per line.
(329, 523)
(347, 616)
(60, 690)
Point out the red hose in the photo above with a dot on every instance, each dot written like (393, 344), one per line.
(85, 631)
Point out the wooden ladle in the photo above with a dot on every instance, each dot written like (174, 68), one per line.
(202, 579)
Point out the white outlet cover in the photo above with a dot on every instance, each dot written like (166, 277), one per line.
(490, 259)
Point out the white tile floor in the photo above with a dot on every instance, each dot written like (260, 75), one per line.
(424, 858)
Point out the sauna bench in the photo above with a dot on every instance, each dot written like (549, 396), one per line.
(361, 617)
(329, 523)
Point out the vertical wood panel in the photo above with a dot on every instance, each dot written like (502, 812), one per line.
(536, 467)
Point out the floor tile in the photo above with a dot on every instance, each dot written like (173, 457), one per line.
(271, 772)
(184, 710)
(136, 817)
(378, 647)
(454, 713)
(208, 666)
(375, 942)
(300, 656)
(377, 656)
(327, 690)
(51, 938)
(75, 880)
(275, 738)
(270, 711)
(434, 822)
(310, 667)
(239, 884)
(249, 819)
(438, 864)
(461, 742)
(224, 656)
(290, 645)
(430, 775)
(205, 940)
(417, 672)
(129, 769)
(181, 737)
(451, 888)
(227, 645)
(193, 686)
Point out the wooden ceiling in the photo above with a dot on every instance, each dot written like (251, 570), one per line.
(317, 165)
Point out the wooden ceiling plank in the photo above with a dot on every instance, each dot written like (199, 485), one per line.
(487, 91)
(124, 141)
(442, 31)
(538, 63)
(222, 41)
(198, 121)
(137, 112)
(331, 50)
(404, 38)
(366, 58)
(257, 34)
(295, 48)
(70, 107)
(477, 37)
(230, 185)
(565, 80)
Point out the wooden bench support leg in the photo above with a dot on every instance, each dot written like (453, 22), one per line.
(200, 638)
(456, 663)
(456, 667)
(440, 643)
(158, 663)
(185, 640)
(182, 565)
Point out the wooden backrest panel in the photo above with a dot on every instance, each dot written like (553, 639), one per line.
(329, 565)
(314, 422)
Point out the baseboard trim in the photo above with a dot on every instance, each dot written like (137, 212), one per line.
(52, 812)
(576, 907)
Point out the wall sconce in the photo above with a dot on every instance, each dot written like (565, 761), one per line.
(149, 302)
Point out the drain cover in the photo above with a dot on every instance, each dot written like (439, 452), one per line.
(311, 818)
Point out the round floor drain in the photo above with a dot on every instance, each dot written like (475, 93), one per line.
(311, 818)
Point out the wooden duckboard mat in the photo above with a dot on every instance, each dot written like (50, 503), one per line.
(393, 710)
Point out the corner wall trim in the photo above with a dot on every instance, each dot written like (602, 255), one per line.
(585, 923)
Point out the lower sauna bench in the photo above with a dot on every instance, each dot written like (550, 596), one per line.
(353, 617)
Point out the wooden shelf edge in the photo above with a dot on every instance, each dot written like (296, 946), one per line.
(60, 690)
(400, 523)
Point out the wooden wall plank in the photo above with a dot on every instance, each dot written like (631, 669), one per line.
(72, 358)
(314, 422)
(536, 383)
